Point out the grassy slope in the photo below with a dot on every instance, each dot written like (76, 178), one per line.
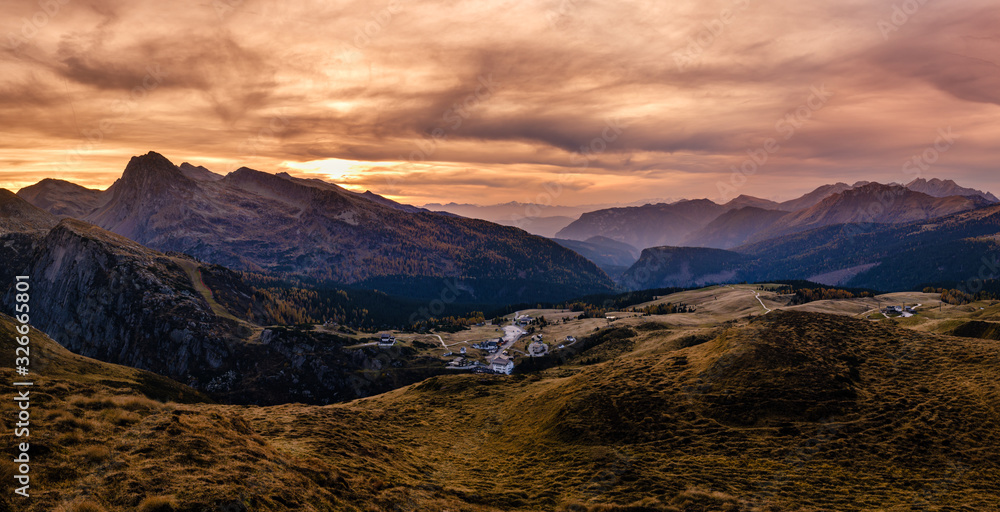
(792, 411)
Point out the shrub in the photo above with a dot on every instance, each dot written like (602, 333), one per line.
(158, 504)
(70, 438)
(96, 454)
(81, 506)
(137, 403)
(92, 404)
(120, 417)
(73, 423)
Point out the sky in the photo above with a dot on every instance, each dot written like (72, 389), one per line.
(554, 102)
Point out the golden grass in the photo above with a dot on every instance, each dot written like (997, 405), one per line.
(95, 454)
(81, 506)
(158, 504)
(792, 411)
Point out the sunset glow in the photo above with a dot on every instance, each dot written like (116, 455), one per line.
(489, 101)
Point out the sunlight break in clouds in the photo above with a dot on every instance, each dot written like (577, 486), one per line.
(356, 86)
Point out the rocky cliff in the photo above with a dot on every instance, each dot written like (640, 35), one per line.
(104, 296)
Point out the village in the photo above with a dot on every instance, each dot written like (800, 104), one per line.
(499, 346)
(489, 348)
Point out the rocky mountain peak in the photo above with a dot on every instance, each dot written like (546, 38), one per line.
(150, 173)
(151, 163)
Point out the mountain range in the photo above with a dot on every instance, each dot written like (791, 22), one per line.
(704, 223)
(960, 248)
(251, 220)
(286, 226)
(536, 218)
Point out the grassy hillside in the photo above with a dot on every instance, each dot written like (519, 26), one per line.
(789, 411)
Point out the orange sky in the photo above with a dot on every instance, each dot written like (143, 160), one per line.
(564, 101)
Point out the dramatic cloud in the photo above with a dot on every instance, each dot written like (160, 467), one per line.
(564, 101)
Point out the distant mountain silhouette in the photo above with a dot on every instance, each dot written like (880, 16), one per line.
(645, 226)
(945, 188)
(63, 198)
(871, 203)
(951, 249)
(690, 223)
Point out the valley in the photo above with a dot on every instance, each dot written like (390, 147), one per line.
(806, 407)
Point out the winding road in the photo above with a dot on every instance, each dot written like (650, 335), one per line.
(766, 309)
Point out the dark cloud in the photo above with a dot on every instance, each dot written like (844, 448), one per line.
(642, 95)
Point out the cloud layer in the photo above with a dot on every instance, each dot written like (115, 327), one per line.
(565, 101)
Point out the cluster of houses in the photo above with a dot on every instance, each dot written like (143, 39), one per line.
(490, 346)
(898, 310)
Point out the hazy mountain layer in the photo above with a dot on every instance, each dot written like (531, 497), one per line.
(612, 256)
(944, 188)
(661, 267)
(871, 203)
(734, 228)
(958, 248)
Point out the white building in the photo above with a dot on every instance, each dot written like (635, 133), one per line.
(386, 340)
(502, 364)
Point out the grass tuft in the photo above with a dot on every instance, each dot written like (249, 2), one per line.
(158, 504)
